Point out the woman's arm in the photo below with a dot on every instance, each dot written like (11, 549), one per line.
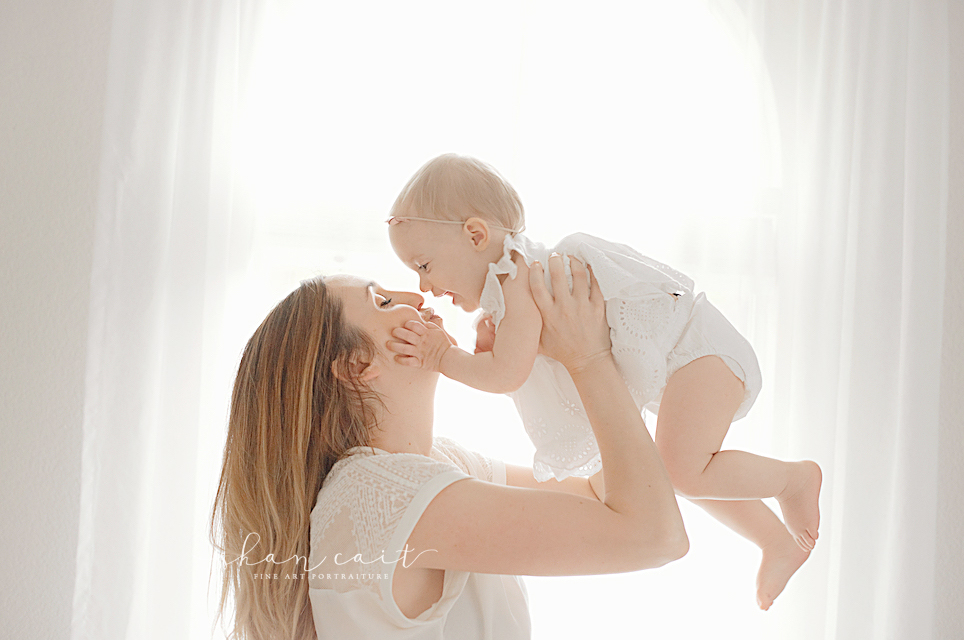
(518, 476)
(477, 526)
(502, 369)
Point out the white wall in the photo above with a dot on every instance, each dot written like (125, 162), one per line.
(53, 68)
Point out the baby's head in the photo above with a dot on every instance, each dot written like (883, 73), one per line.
(449, 222)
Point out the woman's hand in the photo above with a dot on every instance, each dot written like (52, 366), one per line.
(574, 328)
(420, 344)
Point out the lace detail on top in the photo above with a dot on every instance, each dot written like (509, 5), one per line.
(647, 307)
(361, 504)
(468, 461)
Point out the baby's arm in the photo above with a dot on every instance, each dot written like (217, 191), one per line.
(503, 369)
(506, 367)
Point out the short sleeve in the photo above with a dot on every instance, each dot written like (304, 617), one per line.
(472, 463)
(492, 299)
(365, 513)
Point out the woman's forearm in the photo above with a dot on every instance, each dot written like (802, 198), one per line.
(636, 482)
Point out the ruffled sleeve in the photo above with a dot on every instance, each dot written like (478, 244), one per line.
(492, 300)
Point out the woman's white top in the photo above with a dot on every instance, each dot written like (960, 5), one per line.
(648, 305)
(365, 512)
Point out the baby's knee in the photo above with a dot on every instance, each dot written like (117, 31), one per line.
(686, 479)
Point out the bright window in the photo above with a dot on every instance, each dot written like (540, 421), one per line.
(639, 122)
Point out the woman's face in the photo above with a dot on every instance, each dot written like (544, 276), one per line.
(377, 311)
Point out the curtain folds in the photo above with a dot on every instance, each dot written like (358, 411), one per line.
(859, 89)
(862, 95)
(168, 239)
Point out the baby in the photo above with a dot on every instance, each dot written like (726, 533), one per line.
(457, 224)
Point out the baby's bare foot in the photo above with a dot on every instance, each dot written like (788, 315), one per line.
(800, 503)
(780, 561)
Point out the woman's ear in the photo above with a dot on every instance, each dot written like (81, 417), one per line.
(477, 231)
(354, 370)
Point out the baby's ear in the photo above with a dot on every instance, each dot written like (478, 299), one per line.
(477, 231)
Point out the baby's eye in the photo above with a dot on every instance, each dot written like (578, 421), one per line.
(423, 267)
(385, 302)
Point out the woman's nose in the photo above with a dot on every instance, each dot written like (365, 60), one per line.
(410, 298)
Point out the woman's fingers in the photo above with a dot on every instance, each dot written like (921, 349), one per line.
(574, 329)
(557, 275)
(537, 285)
(580, 281)
(595, 293)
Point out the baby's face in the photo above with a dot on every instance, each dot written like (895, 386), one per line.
(443, 256)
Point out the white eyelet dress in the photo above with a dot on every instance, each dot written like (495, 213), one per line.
(366, 510)
(657, 325)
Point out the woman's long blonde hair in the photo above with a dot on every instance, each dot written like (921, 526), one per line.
(295, 411)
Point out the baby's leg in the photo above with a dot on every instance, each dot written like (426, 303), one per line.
(754, 521)
(695, 413)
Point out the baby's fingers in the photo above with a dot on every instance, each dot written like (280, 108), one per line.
(409, 335)
(416, 327)
(402, 348)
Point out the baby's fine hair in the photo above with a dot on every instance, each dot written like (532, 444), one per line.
(454, 187)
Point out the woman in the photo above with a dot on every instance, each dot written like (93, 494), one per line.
(412, 536)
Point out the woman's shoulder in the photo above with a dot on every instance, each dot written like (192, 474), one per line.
(469, 462)
(364, 465)
(380, 484)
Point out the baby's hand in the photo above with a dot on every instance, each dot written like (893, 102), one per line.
(484, 335)
(420, 344)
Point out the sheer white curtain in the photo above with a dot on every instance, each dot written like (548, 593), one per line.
(169, 236)
(789, 155)
(863, 97)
